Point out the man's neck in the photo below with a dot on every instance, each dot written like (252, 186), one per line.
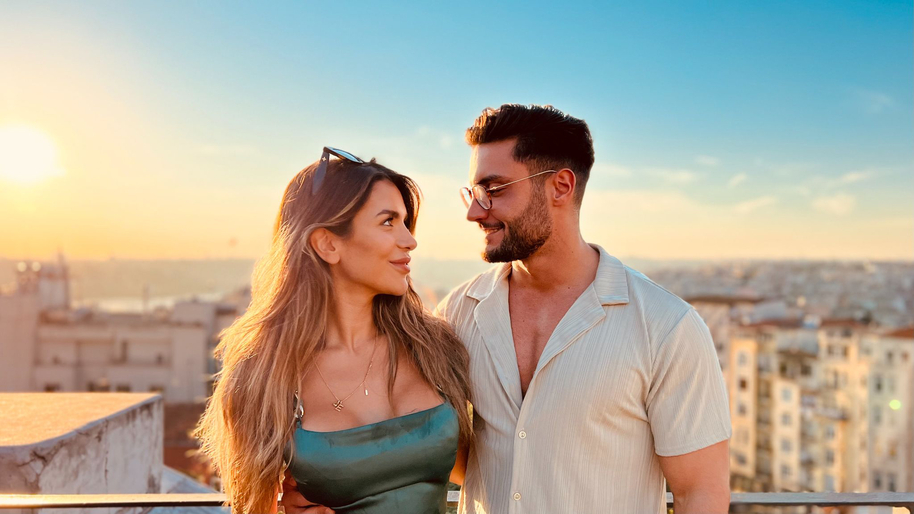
(560, 265)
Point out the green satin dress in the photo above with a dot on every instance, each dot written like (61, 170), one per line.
(396, 466)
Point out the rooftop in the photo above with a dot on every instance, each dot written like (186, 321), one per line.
(904, 333)
(26, 415)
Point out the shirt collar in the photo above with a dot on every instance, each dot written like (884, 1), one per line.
(610, 284)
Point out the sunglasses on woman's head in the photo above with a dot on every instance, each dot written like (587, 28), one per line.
(321, 172)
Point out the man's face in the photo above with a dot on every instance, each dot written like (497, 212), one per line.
(519, 222)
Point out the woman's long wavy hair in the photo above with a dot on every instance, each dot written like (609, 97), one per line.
(266, 352)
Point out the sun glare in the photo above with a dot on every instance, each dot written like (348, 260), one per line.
(27, 155)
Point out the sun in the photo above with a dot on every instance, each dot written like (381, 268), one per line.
(27, 155)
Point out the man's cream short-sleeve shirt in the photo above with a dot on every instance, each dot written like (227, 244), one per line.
(630, 373)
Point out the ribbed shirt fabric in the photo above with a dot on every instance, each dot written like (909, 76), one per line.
(629, 373)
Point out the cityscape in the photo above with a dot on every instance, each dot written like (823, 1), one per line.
(752, 158)
(818, 358)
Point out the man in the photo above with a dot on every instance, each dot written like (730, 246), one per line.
(591, 384)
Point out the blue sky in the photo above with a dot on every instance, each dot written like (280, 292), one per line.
(729, 129)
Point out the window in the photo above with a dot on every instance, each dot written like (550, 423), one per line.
(160, 359)
(786, 419)
(844, 351)
(829, 457)
(741, 409)
(889, 357)
(743, 384)
(742, 358)
(51, 388)
(891, 482)
(741, 459)
(786, 447)
(785, 470)
(893, 450)
(100, 386)
(786, 394)
(156, 388)
(878, 383)
(877, 480)
(123, 388)
(806, 370)
(829, 483)
(829, 432)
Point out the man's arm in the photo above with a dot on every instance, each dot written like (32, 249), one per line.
(460, 465)
(293, 502)
(700, 480)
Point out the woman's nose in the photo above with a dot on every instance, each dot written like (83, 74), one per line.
(409, 241)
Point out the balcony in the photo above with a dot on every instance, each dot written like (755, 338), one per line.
(37, 461)
(177, 501)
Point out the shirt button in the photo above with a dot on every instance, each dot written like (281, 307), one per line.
(522, 434)
(517, 496)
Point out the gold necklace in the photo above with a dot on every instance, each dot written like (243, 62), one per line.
(338, 404)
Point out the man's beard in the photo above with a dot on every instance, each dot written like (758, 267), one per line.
(528, 233)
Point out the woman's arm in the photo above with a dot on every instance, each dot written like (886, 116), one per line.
(460, 465)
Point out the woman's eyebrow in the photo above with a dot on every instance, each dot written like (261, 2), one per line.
(388, 212)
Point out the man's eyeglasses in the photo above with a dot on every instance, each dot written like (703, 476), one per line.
(321, 172)
(483, 196)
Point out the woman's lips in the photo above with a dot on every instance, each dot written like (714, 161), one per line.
(402, 264)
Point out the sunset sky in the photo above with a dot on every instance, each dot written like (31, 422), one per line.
(733, 130)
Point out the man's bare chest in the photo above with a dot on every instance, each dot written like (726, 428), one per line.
(533, 320)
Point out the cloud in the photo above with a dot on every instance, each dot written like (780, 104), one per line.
(873, 102)
(605, 169)
(737, 180)
(852, 177)
(707, 160)
(839, 204)
(678, 177)
(605, 204)
(751, 205)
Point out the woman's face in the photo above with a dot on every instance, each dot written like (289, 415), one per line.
(375, 254)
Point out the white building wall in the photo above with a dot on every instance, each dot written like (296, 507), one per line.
(18, 325)
(743, 389)
(891, 417)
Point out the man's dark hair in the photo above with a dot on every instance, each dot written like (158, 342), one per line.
(546, 137)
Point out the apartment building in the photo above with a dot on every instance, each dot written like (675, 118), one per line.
(48, 347)
(891, 413)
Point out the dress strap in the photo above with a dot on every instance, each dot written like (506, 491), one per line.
(299, 410)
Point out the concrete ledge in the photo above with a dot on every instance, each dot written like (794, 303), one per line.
(81, 443)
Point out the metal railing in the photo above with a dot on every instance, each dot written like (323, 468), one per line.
(87, 501)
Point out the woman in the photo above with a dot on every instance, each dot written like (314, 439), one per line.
(336, 376)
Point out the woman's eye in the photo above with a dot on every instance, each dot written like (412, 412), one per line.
(389, 222)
